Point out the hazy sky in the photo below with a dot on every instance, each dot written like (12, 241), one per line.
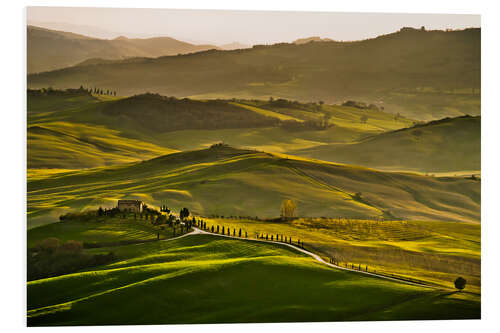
(247, 27)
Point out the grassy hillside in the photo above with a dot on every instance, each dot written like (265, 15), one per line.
(227, 181)
(421, 74)
(78, 130)
(446, 145)
(206, 279)
(51, 49)
(98, 231)
(433, 251)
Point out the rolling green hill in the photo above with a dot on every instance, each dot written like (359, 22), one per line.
(225, 181)
(445, 145)
(74, 130)
(208, 279)
(421, 74)
(51, 49)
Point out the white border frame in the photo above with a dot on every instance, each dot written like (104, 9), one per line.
(13, 251)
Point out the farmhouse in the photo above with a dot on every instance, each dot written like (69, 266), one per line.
(130, 205)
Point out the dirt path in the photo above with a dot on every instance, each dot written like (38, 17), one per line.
(311, 254)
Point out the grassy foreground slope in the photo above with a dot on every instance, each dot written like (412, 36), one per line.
(228, 181)
(207, 279)
(421, 74)
(445, 145)
(432, 251)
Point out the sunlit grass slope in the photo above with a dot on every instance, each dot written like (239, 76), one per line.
(447, 145)
(433, 251)
(75, 145)
(207, 279)
(228, 181)
(56, 141)
(80, 131)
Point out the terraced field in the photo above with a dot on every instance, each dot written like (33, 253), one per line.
(223, 280)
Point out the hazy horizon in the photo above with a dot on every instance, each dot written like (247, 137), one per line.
(226, 26)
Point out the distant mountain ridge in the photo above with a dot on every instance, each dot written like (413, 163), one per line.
(421, 74)
(52, 49)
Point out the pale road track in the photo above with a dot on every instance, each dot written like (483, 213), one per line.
(311, 254)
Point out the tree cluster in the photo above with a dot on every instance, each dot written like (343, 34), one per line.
(51, 257)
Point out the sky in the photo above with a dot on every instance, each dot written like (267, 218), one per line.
(247, 27)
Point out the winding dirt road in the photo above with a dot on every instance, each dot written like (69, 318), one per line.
(311, 254)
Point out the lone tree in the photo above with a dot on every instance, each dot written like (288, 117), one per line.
(288, 208)
(460, 283)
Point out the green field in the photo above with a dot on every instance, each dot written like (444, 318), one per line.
(206, 279)
(226, 181)
(434, 252)
(100, 230)
(447, 145)
(68, 131)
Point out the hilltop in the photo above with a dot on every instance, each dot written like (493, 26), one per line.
(420, 74)
(446, 145)
(52, 49)
(227, 181)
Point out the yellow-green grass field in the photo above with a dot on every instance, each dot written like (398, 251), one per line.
(66, 131)
(338, 115)
(448, 145)
(228, 181)
(75, 145)
(434, 252)
(208, 279)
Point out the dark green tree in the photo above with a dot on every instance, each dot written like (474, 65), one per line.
(460, 283)
(184, 213)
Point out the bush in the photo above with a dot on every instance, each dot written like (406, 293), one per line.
(71, 247)
(49, 245)
(460, 283)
